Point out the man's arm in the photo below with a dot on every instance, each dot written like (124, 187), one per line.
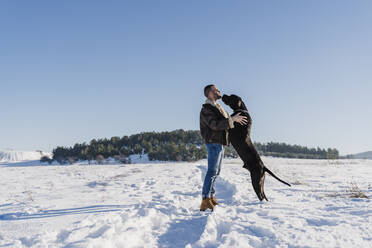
(210, 119)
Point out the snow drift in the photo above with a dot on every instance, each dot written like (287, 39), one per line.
(9, 156)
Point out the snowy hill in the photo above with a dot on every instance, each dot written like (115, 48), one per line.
(10, 156)
(363, 155)
(157, 205)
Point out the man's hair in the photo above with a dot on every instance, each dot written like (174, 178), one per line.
(207, 89)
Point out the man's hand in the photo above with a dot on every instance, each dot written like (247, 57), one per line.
(242, 120)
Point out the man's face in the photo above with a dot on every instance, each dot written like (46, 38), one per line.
(214, 93)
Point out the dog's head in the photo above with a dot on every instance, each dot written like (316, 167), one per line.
(234, 102)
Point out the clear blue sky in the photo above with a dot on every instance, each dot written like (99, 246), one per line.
(71, 71)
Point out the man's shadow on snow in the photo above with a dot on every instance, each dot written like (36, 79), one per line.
(182, 232)
(61, 212)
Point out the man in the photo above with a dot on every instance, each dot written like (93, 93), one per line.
(214, 125)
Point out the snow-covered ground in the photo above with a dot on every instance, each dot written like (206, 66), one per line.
(157, 205)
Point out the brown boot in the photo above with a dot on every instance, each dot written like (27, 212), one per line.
(214, 201)
(206, 203)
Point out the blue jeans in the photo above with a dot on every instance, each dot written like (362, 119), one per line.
(215, 155)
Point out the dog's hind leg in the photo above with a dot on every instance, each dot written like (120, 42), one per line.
(257, 178)
(263, 191)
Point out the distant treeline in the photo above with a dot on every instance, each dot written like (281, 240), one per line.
(295, 151)
(178, 145)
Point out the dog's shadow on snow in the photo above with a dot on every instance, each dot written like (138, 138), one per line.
(182, 232)
(61, 212)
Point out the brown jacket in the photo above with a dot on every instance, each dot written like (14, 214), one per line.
(214, 123)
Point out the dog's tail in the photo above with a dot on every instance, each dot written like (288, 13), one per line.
(277, 178)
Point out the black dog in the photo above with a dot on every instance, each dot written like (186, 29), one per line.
(240, 137)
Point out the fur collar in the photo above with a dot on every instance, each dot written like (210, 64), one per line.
(218, 106)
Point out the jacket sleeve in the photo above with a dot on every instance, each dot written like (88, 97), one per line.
(211, 120)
